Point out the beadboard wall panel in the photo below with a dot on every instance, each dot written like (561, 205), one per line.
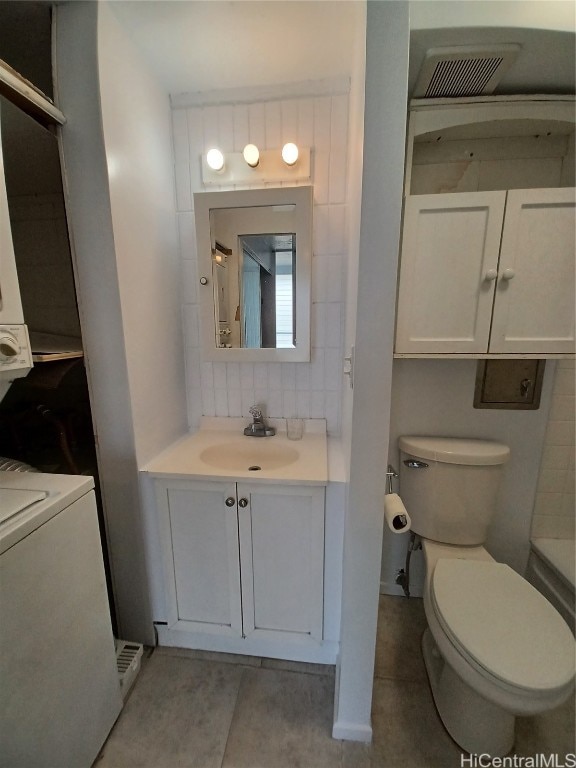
(306, 390)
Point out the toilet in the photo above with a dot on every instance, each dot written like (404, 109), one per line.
(494, 648)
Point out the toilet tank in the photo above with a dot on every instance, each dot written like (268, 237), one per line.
(449, 486)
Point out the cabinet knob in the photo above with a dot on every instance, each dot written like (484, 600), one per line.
(492, 274)
(203, 281)
(243, 503)
(508, 274)
(230, 501)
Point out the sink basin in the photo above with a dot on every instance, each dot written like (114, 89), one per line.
(248, 456)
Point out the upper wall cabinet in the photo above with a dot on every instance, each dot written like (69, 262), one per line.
(487, 265)
(488, 273)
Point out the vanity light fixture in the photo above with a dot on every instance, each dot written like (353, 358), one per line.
(251, 155)
(215, 159)
(254, 166)
(290, 153)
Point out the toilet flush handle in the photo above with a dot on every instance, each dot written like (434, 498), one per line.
(413, 464)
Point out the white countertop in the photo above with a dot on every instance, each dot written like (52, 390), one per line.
(183, 459)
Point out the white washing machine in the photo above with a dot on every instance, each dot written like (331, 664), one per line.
(59, 687)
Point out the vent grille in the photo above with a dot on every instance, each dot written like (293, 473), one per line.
(463, 71)
(128, 657)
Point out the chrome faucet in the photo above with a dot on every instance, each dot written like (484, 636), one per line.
(258, 428)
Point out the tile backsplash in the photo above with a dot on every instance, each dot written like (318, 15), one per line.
(554, 508)
(305, 390)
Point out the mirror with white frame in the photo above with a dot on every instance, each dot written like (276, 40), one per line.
(254, 262)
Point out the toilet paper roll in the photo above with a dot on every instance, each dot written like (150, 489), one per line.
(395, 513)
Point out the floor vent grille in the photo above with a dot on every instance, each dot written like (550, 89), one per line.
(128, 657)
(464, 71)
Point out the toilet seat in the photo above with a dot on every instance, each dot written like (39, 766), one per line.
(502, 625)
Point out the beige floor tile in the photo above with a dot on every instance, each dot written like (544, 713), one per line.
(178, 714)
(401, 623)
(407, 732)
(283, 720)
(549, 733)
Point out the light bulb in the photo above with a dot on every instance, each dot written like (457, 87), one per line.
(289, 153)
(215, 159)
(251, 155)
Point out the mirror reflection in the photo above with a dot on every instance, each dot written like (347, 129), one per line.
(255, 261)
(254, 276)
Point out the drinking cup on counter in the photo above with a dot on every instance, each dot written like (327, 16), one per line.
(294, 429)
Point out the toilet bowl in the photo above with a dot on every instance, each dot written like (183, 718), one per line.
(495, 647)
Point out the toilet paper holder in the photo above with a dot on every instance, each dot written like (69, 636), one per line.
(391, 473)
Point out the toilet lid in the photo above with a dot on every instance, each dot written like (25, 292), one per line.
(502, 622)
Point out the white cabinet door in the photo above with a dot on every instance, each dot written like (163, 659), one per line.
(534, 303)
(282, 556)
(448, 272)
(205, 583)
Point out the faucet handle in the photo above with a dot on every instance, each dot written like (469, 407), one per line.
(255, 411)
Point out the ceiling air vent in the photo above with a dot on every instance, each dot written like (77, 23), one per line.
(464, 70)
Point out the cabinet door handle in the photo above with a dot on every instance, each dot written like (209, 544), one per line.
(508, 274)
(230, 501)
(492, 274)
(243, 503)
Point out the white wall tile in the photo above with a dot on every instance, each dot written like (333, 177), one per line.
(562, 408)
(559, 433)
(195, 149)
(235, 402)
(333, 331)
(306, 122)
(207, 377)
(241, 125)
(289, 404)
(247, 375)
(306, 389)
(288, 376)
(551, 481)
(191, 327)
(220, 402)
(233, 375)
(565, 382)
(555, 457)
(274, 376)
(548, 504)
(189, 281)
(303, 404)
(303, 377)
(220, 380)
(555, 497)
(208, 402)
(289, 118)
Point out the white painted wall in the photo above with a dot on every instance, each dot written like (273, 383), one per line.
(434, 397)
(384, 139)
(125, 261)
(136, 123)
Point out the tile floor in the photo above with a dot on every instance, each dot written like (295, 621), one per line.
(199, 710)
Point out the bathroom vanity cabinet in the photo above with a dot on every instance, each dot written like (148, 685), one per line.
(488, 272)
(243, 566)
(488, 253)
